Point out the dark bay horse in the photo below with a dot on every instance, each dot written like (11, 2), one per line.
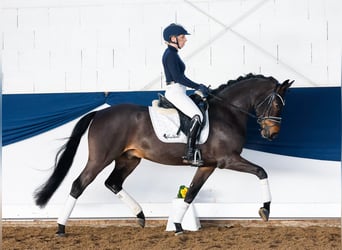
(124, 134)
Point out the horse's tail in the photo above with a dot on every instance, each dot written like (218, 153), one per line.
(63, 161)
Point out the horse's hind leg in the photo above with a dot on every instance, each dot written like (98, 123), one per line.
(89, 173)
(124, 166)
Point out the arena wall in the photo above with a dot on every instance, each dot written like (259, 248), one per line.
(87, 45)
(90, 46)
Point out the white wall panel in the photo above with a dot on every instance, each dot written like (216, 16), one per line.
(251, 59)
(89, 59)
(93, 17)
(114, 80)
(89, 79)
(9, 19)
(34, 60)
(50, 81)
(153, 55)
(18, 82)
(115, 37)
(66, 59)
(299, 42)
(10, 60)
(81, 38)
(33, 18)
(72, 81)
(201, 34)
(161, 13)
(105, 59)
(65, 18)
(333, 62)
(139, 77)
(19, 39)
(51, 39)
(188, 16)
(227, 12)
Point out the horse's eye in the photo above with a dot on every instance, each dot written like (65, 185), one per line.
(276, 105)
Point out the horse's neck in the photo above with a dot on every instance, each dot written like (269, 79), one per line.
(238, 96)
(244, 95)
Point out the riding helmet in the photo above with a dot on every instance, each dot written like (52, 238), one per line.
(174, 30)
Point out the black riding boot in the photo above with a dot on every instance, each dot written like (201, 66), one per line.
(193, 154)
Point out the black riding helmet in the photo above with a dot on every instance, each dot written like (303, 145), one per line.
(174, 30)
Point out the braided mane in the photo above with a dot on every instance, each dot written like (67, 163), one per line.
(240, 79)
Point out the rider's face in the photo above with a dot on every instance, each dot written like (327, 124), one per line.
(181, 40)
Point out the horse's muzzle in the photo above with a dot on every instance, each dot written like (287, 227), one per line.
(269, 129)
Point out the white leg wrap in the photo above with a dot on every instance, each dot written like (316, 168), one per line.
(129, 201)
(180, 211)
(68, 207)
(265, 190)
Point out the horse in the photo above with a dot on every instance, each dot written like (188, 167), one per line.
(123, 133)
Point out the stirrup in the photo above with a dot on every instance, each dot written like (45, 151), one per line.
(196, 161)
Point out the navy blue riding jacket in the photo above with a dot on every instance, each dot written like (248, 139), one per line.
(174, 68)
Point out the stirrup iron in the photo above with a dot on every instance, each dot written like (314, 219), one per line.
(195, 160)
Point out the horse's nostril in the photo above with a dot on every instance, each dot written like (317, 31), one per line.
(274, 135)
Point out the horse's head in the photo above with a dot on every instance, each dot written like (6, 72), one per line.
(264, 94)
(269, 110)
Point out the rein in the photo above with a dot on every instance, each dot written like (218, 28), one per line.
(269, 98)
(236, 107)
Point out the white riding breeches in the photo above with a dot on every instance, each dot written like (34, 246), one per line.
(176, 94)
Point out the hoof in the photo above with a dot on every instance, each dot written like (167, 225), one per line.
(141, 222)
(61, 231)
(179, 233)
(264, 213)
(141, 219)
(60, 234)
(179, 229)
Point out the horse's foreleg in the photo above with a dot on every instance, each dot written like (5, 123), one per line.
(264, 211)
(124, 166)
(198, 180)
(242, 165)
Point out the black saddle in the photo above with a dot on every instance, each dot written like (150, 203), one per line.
(185, 120)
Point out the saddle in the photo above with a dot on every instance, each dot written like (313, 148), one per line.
(171, 125)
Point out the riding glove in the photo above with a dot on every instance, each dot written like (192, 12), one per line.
(204, 90)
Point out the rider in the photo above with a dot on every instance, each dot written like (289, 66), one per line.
(174, 67)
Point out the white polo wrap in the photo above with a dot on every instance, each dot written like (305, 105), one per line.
(68, 207)
(180, 211)
(129, 201)
(265, 190)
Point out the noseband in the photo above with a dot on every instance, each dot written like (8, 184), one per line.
(269, 100)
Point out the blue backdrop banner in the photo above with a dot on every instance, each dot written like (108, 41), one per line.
(311, 126)
(27, 115)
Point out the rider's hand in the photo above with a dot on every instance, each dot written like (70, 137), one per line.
(204, 90)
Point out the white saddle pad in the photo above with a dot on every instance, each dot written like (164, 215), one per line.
(166, 125)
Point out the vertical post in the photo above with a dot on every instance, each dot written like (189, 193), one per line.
(341, 145)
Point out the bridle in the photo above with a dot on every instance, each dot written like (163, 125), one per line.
(265, 116)
(269, 100)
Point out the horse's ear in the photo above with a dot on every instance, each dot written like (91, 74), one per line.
(286, 84)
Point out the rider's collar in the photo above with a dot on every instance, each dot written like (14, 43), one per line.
(172, 47)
